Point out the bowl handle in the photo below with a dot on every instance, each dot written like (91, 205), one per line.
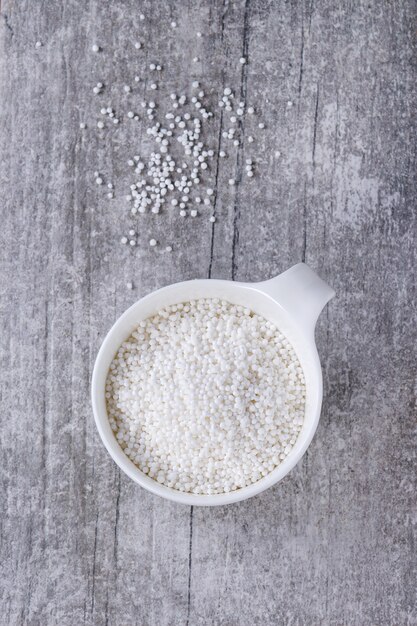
(301, 293)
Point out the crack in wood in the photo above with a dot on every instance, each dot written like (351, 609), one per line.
(219, 139)
(300, 79)
(215, 188)
(93, 575)
(304, 245)
(7, 23)
(116, 522)
(239, 160)
(190, 562)
(315, 131)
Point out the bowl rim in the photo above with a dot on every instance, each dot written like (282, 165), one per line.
(151, 485)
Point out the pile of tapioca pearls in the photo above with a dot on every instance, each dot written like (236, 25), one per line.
(206, 396)
(161, 180)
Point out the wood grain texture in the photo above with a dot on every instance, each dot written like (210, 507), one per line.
(334, 542)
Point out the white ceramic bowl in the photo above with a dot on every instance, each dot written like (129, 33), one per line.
(292, 300)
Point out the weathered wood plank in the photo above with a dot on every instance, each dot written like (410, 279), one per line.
(333, 543)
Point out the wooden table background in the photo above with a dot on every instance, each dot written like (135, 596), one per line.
(334, 543)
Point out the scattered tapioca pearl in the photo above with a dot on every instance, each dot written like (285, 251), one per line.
(251, 110)
(83, 125)
(198, 34)
(153, 86)
(137, 79)
(129, 285)
(99, 180)
(231, 181)
(126, 88)
(124, 240)
(289, 104)
(132, 242)
(161, 175)
(173, 24)
(195, 59)
(250, 139)
(152, 243)
(141, 17)
(261, 125)
(168, 248)
(95, 48)
(242, 60)
(138, 45)
(212, 219)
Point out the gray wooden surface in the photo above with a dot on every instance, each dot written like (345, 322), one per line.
(334, 542)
